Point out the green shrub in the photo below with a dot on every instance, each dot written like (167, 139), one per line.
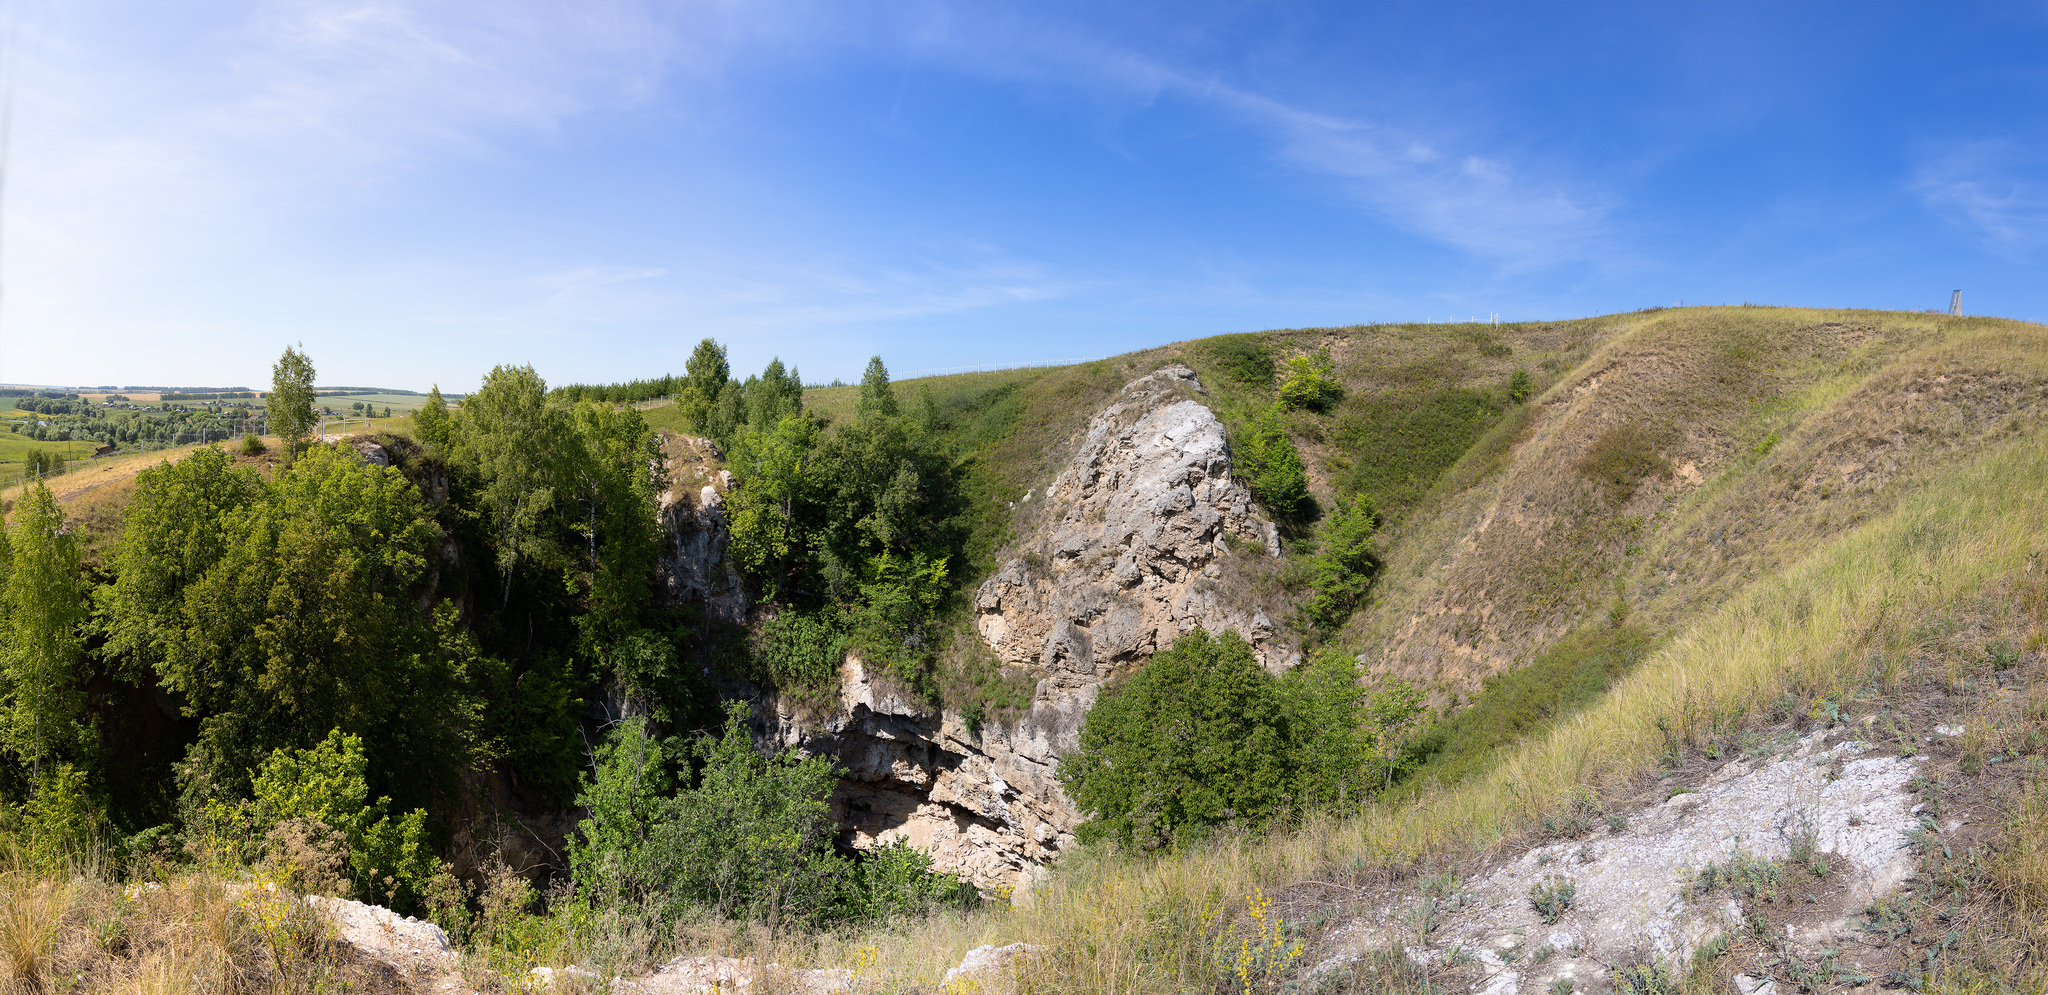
(752, 839)
(252, 445)
(1330, 746)
(798, 651)
(1342, 568)
(387, 858)
(41, 462)
(1266, 459)
(1552, 897)
(1520, 386)
(1242, 357)
(1622, 458)
(1201, 736)
(896, 879)
(1196, 737)
(1311, 382)
(60, 824)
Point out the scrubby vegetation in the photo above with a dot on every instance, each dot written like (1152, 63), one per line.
(1201, 736)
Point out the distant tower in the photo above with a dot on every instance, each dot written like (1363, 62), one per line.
(1955, 303)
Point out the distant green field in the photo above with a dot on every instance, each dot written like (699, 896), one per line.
(398, 403)
(15, 448)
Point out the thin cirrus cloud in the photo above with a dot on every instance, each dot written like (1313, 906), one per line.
(1476, 203)
(584, 281)
(1992, 190)
(1480, 203)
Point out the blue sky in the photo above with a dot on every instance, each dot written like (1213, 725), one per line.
(418, 191)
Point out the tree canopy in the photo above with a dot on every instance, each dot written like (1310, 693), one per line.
(290, 406)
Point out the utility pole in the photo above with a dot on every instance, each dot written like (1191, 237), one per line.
(1955, 303)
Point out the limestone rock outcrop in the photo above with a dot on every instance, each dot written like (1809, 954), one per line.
(1136, 542)
(693, 566)
(1126, 555)
(981, 799)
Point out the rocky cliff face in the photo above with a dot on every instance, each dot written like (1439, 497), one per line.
(1126, 551)
(1135, 543)
(693, 567)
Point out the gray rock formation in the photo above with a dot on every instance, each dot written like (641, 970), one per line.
(982, 801)
(1634, 885)
(1133, 545)
(1129, 549)
(693, 567)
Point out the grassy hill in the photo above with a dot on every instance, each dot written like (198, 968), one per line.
(1705, 521)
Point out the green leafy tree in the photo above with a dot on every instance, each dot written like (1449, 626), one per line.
(876, 396)
(1343, 566)
(884, 488)
(510, 438)
(1332, 746)
(1311, 382)
(43, 463)
(1393, 709)
(609, 475)
(290, 409)
(45, 604)
(775, 395)
(1196, 737)
(432, 424)
(627, 797)
(1265, 456)
(60, 821)
(707, 373)
(777, 479)
(178, 525)
(388, 858)
(308, 620)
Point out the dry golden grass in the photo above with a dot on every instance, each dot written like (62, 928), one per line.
(194, 933)
(1785, 427)
(91, 476)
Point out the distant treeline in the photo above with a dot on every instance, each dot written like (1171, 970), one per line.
(225, 395)
(621, 393)
(639, 390)
(52, 406)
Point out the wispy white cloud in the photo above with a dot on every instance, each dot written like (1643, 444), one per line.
(765, 292)
(1440, 187)
(163, 179)
(1995, 190)
(1481, 204)
(574, 284)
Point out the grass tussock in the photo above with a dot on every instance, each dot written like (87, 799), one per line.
(79, 930)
